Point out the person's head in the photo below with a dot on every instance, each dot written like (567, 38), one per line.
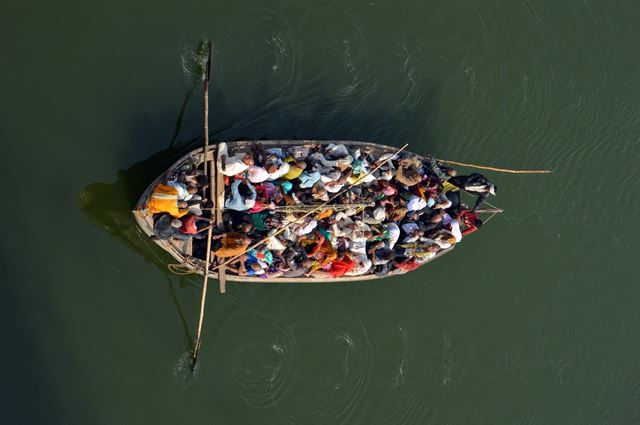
(368, 234)
(319, 192)
(246, 227)
(176, 223)
(301, 164)
(192, 190)
(256, 267)
(201, 180)
(182, 204)
(451, 172)
(248, 159)
(478, 223)
(434, 247)
(387, 254)
(306, 263)
(272, 169)
(246, 239)
(244, 190)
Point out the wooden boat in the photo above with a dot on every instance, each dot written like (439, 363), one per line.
(181, 251)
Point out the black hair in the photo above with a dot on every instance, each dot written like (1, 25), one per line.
(478, 223)
(244, 190)
(201, 180)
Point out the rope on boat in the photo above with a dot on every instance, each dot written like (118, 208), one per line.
(182, 269)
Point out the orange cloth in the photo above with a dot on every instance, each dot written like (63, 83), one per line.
(340, 267)
(164, 199)
(233, 243)
(324, 214)
(326, 253)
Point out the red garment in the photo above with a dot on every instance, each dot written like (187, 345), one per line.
(340, 267)
(259, 206)
(189, 225)
(469, 219)
(407, 266)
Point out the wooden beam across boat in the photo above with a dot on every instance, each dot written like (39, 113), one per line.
(218, 199)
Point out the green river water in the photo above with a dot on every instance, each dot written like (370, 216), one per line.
(535, 319)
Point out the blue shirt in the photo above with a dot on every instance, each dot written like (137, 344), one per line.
(237, 202)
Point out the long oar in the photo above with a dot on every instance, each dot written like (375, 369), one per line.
(499, 170)
(207, 76)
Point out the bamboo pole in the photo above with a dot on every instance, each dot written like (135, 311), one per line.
(499, 170)
(196, 348)
(309, 213)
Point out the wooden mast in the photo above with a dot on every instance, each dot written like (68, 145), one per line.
(207, 75)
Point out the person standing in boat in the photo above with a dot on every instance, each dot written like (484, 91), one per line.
(476, 184)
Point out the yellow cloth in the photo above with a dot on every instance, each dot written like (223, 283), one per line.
(293, 173)
(448, 187)
(233, 243)
(164, 199)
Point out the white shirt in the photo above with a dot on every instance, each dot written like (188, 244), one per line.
(455, 226)
(358, 239)
(409, 227)
(281, 171)
(183, 193)
(306, 228)
(360, 268)
(416, 203)
(394, 233)
(257, 174)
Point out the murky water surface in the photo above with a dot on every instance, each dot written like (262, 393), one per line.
(533, 320)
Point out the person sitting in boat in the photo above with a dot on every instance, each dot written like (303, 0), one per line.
(409, 171)
(165, 199)
(443, 238)
(190, 226)
(298, 266)
(476, 184)
(233, 165)
(470, 220)
(166, 227)
(237, 221)
(250, 266)
(257, 174)
(452, 225)
(438, 169)
(380, 254)
(363, 265)
(337, 267)
(230, 244)
(243, 196)
(295, 170)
